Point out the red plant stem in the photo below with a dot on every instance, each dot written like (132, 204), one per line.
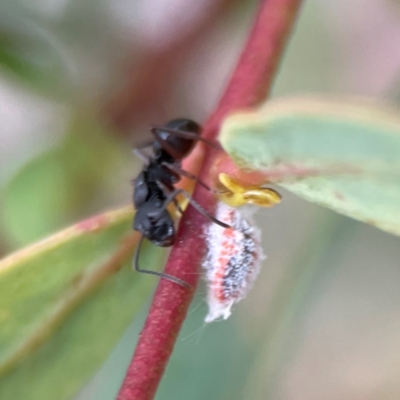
(249, 85)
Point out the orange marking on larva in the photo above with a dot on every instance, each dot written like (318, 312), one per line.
(232, 262)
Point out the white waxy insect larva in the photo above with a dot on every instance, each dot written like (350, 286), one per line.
(233, 259)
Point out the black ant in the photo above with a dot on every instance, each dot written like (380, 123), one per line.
(155, 190)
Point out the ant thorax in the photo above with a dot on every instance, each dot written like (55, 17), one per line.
(157, 172)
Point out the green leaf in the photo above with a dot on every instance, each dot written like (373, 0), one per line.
(60, 184)
(64, 304)
(340, 153)
(31, 52)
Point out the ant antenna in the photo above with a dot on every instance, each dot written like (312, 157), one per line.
(159, 274)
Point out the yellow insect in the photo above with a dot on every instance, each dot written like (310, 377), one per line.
(238, 195)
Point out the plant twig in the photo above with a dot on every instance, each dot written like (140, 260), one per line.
(249, 85)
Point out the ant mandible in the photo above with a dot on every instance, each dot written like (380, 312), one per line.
(154, 188)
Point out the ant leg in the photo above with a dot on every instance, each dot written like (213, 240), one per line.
(156, 273)
(187, 174)
(183, 134)
(178, 207)
(196, 205)
(166, 190)
(147, 143)
(142, 155)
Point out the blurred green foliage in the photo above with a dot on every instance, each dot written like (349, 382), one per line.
(30, 52)
(62, 183)
(63, 308)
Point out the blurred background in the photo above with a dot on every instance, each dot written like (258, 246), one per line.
(81, 80)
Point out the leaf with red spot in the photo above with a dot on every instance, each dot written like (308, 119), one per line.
(64, 304)
(340, 153)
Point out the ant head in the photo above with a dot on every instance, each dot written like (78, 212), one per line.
(177, 141)
(157, 227)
